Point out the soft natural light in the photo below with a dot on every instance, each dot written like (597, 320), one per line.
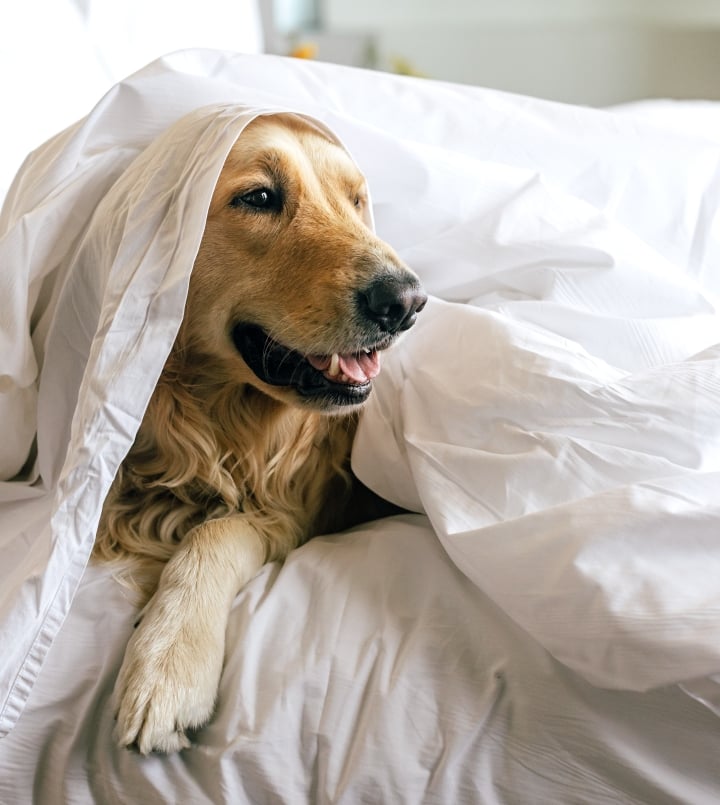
(294, 15)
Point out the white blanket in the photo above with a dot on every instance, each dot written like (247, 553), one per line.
(553, 414)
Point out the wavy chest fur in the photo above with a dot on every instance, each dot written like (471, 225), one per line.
(205, 452)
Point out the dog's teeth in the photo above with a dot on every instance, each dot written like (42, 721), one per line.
(334, 368)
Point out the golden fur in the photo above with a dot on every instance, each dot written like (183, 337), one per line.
(233, 466)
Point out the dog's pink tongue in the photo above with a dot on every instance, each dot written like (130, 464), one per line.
(361, 367)
(357, 368)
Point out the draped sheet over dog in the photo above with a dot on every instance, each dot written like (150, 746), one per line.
(554, 413)
(101, 229)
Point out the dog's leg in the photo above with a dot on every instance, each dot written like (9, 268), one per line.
(170, 674)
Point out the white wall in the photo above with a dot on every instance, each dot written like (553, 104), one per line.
(341, 13)
(596, 52)
(58, 57)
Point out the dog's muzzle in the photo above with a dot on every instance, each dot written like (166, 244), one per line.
(384, 309)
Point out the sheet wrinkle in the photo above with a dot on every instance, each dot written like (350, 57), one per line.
(599, 272)
(117, 259)
(703, 217)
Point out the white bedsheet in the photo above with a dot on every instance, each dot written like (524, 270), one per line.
(553, 415)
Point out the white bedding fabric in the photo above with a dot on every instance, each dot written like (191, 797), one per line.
(553, 414)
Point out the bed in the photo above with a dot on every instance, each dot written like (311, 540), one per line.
(543, 625)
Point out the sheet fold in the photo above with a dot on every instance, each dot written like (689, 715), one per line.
(554, 411)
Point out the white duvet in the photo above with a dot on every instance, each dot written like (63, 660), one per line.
(546, 627)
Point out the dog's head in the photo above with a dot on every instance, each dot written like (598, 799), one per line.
(291, 291)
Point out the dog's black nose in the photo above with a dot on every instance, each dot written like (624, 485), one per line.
(393, 301)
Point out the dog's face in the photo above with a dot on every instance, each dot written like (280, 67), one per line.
(291, 292)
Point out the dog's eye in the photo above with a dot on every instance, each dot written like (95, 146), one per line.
(261, 199)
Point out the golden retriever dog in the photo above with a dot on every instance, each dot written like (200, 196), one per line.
(243, 452)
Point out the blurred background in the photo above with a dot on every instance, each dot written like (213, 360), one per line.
(592, 52)
(57, 57)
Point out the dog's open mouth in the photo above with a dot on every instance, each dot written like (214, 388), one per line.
(340, 378)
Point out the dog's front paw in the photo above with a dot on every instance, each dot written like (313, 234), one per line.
(167, 683)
